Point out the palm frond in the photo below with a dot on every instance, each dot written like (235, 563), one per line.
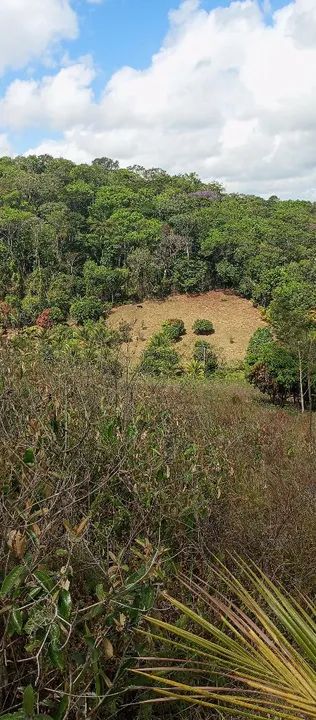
(258, 661)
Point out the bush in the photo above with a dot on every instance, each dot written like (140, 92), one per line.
(44, 320)
(88, 308)
(206, 355)
(174, 329)
(31, 307)
(203, 327)
(57, 314)
(160, 359)
(98, 477)
(272, 368)
(5, 314)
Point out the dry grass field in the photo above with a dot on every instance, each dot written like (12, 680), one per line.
(234, 320)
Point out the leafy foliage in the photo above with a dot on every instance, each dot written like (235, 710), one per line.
(70, 231)
(203, 327)
(206, 356)
(173, 329)
(111, 484)
(88, 308)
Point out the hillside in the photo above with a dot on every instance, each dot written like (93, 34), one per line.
(234, 320)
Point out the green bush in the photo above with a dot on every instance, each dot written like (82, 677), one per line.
(203, 327)
(31, 307)
(272, 368)
(206, 355)
(88, 308)
(174, 329)
(160, 359)
(56, 314)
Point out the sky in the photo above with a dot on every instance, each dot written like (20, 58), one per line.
(224, 88)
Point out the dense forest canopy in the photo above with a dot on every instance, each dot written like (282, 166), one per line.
(99, 233)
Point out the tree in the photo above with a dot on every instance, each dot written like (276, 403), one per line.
(190, 275)
(87, 308)
(292, 315)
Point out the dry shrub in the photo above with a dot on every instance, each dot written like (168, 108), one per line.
(108, 488)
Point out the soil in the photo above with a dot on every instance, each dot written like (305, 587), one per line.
(234, 318)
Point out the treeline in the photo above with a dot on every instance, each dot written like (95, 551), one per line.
(74, 237)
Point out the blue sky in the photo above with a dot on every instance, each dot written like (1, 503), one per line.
(128, 32)
(232, 95)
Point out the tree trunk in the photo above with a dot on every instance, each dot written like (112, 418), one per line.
(301, 380)
(309, 389)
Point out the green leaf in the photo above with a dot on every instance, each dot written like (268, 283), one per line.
(100, 592)
(55, 654)
(62, 709)
(28, 701)
(19, 715)
(15, 622)
(12, 580)
(29, 457)
(64, 604)
(45, 579)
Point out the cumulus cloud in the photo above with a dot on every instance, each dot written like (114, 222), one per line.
(29, 27)
(228, 95)
(58, 101)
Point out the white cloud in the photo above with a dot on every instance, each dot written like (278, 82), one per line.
(57, 101)
(5, 145)
(227, 95)
(29, 27)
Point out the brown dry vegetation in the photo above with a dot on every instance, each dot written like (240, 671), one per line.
(234, 320)
(191, 468)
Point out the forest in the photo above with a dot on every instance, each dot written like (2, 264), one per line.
(158, 543)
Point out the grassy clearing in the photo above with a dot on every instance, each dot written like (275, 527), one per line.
(234, 319)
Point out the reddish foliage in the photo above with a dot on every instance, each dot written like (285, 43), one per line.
(44, 320)
(5, 309)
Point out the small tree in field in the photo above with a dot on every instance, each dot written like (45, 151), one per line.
(206, 356)
(292, 317)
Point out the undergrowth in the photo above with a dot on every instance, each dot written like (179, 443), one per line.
(112, 485)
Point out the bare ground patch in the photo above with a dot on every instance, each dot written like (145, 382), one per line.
(234, 319)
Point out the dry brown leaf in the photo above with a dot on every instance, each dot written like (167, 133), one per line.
(79, 529)
(17, 543)
(36, 530)
(108, 649)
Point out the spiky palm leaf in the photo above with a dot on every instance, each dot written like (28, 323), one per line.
(262, 658)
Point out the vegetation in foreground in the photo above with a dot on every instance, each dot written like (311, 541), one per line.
(113, 485)
(261, 661)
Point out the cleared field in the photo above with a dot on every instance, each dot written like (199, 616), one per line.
(234, 320)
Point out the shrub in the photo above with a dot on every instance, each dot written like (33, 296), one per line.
(5, 314)
(98, 475)
(160, 359)
(57, 314)
(63, 290)
(31, 307)
(203, 327)
(174, 329)
(88, 308)
(272, 368)
(49, 317)
(44, 320)
(205, 355)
